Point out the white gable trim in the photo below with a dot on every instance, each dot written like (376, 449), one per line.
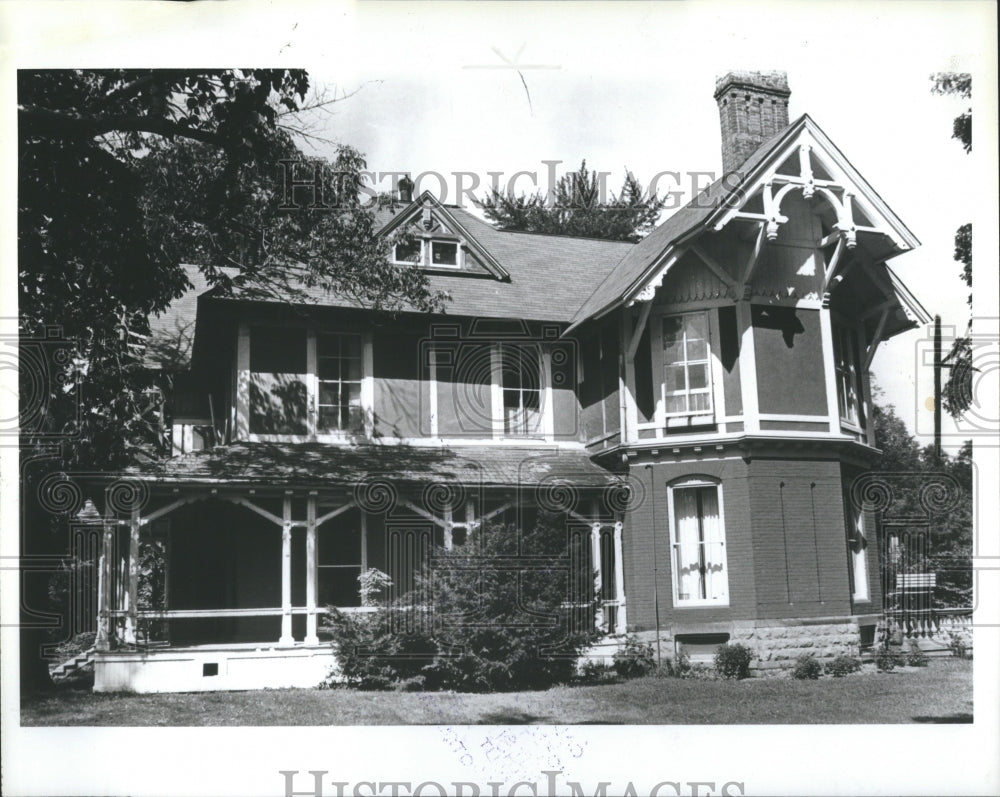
(806, 139)
(427, 201)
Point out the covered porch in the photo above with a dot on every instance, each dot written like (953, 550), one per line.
(217, 567)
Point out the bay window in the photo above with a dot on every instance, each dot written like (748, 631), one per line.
(685, 362)
(698, 544)
(846, 368)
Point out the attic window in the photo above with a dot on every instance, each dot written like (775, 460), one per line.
(444, 253)
(407, 253)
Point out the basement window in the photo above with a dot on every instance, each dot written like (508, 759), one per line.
(209, 669)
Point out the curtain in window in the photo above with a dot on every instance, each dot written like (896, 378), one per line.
(688, 547)
(715, 572)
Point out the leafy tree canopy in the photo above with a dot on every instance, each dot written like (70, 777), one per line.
(578, 205)
(124, 175)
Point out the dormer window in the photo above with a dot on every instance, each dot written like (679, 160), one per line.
(429, 253)
(444, 253)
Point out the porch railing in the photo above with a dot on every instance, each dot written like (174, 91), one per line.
(911, 623)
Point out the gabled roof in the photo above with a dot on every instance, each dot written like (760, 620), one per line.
(452, 222)
(705, 210)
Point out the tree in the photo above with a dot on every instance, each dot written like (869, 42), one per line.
(123, 175)
(909, 469)
(957, 391)
(578, 207)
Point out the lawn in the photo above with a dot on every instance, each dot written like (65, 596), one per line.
(941, 692)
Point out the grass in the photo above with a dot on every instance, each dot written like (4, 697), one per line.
(941, 692)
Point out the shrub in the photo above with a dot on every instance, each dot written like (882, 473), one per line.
(915, 657)
(841, 666)
(807, 668)
(476, 629)
(682, 665)
(596, 671)
(959, 645)
(886, 658)
(634, 659)
(733, 661)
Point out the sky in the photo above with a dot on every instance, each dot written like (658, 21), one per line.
(633, 90)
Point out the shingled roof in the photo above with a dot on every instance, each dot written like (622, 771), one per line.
(320, 465)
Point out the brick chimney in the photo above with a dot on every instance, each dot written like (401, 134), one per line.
(405, 187)
(753, 106)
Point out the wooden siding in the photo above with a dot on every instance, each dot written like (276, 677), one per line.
(789, 356)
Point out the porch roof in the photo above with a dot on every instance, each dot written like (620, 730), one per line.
(322, 465)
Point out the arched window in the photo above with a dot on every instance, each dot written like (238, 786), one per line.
(698, 542)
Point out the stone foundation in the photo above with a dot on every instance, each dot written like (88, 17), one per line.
(777, 643)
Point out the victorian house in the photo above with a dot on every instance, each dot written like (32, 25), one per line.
(697, 406)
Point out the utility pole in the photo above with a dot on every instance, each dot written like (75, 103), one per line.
(937, 389)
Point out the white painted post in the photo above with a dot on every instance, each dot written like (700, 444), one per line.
(312, 638)
(448, 528)
(748, 369)
(286, 574)
(621, 624)
(103, 641)
(595, 555)
(242, 383)
(432, 387)
(131, 614)
(829, 370)
(630, 430)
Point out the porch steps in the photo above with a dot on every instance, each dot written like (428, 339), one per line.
(76, 664)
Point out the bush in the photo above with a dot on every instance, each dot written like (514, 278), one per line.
(915, 657)
(733, 661)
(841, 666)
(807, 668)
(886, 658)
(596, 671)
(634, 659)
(476, 629)
(959, 645)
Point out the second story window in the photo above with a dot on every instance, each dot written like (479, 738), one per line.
(429, 253)
(845, 364)
(521, 387)
(687, 381)
(338, 369)
(444, 253)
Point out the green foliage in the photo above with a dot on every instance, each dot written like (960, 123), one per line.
(634, 659)
(959, 84)
(841, 666)
(807, 668)
(476, 629)
(596, 671)
(578, 205)
(915, 657)
(733, 660)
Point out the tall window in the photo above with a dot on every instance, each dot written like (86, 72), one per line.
(687, 381)
(521, 387)
(857, 550)
(698, 544)
(338, 367)
(338, 561)
(846, 367)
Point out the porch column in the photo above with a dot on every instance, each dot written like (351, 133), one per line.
(621, 626)
(103, 640)
(595, 556)
(286, 574)
(131, 612)
(312, 638)
(448, 521)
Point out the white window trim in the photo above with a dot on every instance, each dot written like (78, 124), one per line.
(426, 260)
(546, 421)
(663, 419)
(312, 391)
(671, 520)
(859, 559)
(841, 376)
